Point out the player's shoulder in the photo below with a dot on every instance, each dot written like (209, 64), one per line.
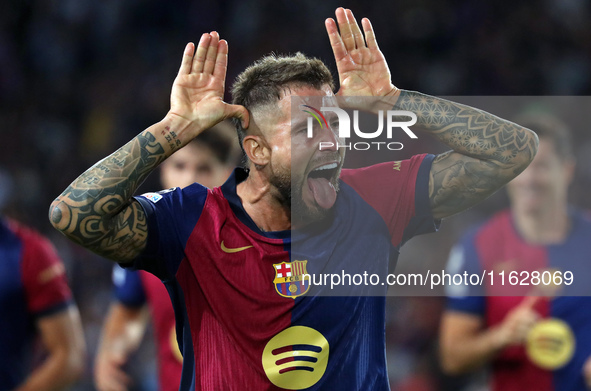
(175, 203)
(387, 167)
(199, 194)
(176, 193)
(398, 176)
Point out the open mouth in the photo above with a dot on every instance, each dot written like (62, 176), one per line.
(320, 181)
(327, 171)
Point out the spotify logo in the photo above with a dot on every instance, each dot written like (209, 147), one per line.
(550, 344)
(296, 358)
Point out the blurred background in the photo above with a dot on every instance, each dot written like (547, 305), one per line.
(79, 78)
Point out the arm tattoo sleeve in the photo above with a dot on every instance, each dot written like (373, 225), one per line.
(95, 210)
(487, 151)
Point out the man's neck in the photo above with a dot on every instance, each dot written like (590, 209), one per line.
(545, 227)
(267, 212)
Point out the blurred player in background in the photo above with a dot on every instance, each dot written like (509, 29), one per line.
(226, 253)
(209, 160)
(36, 302)
(531, 343)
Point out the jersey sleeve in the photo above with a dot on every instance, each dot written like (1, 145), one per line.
(43, 275)
(170, 215)
(129, 290)
(399, 192)
(464, 297)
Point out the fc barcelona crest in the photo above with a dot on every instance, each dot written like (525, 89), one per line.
(290, 280)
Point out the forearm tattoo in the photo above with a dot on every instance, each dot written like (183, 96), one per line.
(487, 151)
(96, 211)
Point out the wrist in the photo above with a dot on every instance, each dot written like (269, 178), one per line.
(498, 340)
(371, 104)
(387, 101)
(175, 127)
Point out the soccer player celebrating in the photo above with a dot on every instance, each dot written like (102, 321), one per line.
(245, 319)
(35, 301)
(540, 343)
(208, 159)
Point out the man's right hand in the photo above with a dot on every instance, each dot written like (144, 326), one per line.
(517, 324)
(466, 343)
(198, 90)
(96, 210)
(109, 375)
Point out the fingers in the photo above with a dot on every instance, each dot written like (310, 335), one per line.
(350, 36)
(212, 52)
(238, 111)
(119, 381)
(521, 319)
(528, 320)
(221, 61)
(112, 378)
(338, 47)
(202, 47)
(187, 59)
(370, 36)
(345, 29)
(357, 35)
(529, 302)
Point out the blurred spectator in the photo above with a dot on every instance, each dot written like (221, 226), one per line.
(36, 302)
(529, 342)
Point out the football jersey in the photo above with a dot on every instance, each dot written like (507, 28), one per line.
(32, 285)
(135, 289)
(247, 318)
(553, 357)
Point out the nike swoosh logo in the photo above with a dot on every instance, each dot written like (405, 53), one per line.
(233, 250)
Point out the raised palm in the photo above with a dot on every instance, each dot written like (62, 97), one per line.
(198, 90)
(362, 68)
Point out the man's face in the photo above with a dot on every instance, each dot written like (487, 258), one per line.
(193, 163)
(544, 183)
(304, 176)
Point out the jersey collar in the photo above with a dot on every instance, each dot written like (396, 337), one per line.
(229, 191)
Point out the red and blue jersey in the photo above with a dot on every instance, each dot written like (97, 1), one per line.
(553, 357)
(32, 285)
(246, 316)
(137, 288)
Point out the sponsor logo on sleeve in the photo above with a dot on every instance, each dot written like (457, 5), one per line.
(154, 197)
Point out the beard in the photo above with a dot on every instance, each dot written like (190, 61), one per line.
(291, 188)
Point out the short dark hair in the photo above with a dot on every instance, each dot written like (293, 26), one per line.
(549, 127)
(264, 81)
(221, 141)
(220, 146)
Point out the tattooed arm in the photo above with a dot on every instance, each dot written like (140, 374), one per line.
(487, 151)
(96, 210)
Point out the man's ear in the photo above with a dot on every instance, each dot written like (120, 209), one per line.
(257, 150)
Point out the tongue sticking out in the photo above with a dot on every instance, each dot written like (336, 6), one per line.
(323, 191)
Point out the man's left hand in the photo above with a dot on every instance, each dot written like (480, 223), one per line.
(362, 68)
